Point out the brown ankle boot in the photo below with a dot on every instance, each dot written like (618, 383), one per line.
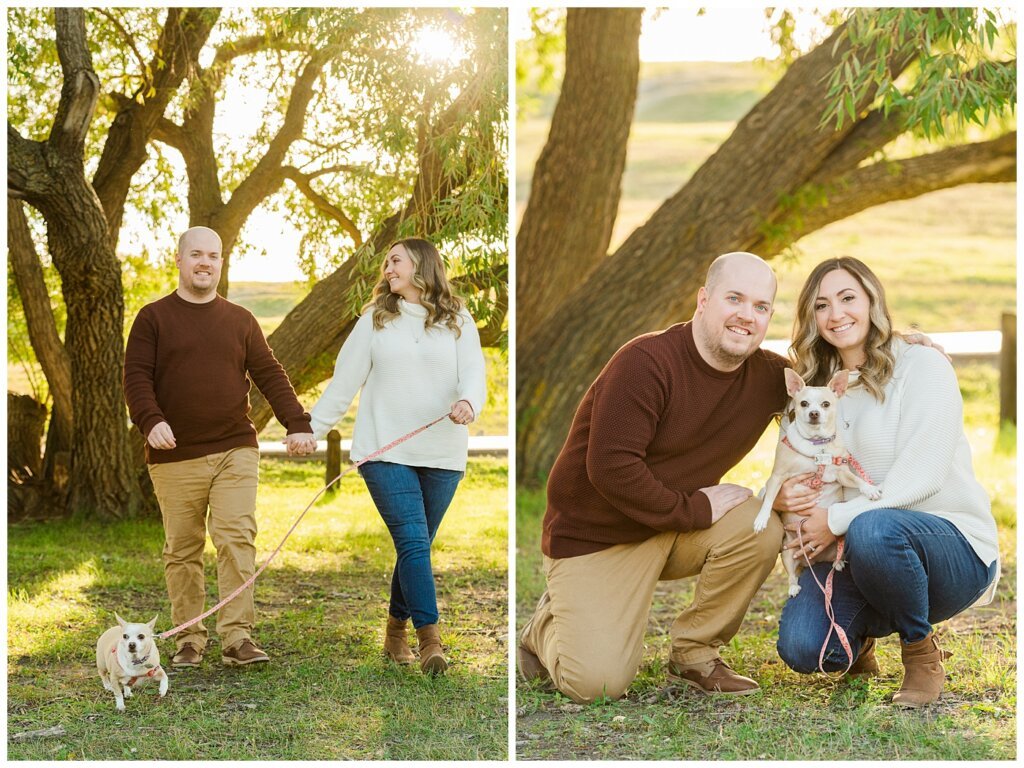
(924, 676)
(866, 664)
(432, 661)
(395, 646)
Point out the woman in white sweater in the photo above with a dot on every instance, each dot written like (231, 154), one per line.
(928, 548)
(415, 353)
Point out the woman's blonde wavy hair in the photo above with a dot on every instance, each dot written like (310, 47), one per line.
(435, 291)
(816, 360)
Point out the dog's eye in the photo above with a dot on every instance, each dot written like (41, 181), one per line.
(124, 637)
(803, 403)
(826, 404)
(142, 637)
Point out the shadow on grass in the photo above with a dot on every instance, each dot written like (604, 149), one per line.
(328, 693)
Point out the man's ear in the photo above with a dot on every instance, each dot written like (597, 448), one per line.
(702, 298)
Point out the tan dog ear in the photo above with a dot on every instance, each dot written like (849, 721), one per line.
(793, 382)
(839, 382)
(121, 622)
(152, 624)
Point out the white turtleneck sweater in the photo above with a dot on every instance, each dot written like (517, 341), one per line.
(913, 445)
(409, 376)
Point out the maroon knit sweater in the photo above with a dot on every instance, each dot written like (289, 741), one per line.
(656, 425)
(186, 364)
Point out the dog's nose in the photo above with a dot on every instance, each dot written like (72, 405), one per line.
(131, 646)
(814, 415)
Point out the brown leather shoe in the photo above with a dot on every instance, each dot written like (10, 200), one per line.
(924, 676)
(245, 652)
(713, 677)
(187, 656)
(396, 647)
(432, 660)
(866, 664)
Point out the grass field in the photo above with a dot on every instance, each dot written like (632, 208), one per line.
(321, 605)
(974, 720)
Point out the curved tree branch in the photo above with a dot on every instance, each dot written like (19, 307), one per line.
(322, 204)
(81, 88)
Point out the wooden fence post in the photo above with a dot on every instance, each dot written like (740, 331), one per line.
(1008, 369)
(333, 459)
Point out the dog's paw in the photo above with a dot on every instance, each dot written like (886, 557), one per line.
(127, 692)
(760, 523)
(794, 590)
(839, 565)
(120, 706)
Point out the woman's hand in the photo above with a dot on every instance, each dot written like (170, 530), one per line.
(462, 413)
(816, 534)
(796, 497)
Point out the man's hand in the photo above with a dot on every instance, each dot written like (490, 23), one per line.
(796, 497)
(161, 437)
(462, 413)
(916, 337)
(725, 497)
(300, 443)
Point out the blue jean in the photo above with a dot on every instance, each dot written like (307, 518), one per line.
(905, 571)
(412, 502)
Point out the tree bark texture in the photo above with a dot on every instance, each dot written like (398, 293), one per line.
(577, 181)
(741, 198)
(25, 419)
(51, 176)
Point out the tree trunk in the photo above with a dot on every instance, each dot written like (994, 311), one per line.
(51, 176)
(25, 419)
(42, 331)
(741, 198)
(576, 184)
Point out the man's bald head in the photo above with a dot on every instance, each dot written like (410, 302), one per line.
(734, 263)
(206, 237)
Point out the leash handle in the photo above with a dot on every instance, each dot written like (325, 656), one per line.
(251, 579)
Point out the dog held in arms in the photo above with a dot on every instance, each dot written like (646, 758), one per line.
(127, 654)
(810, 442)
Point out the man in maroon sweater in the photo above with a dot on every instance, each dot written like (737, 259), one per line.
(185, 380)
(635, 497)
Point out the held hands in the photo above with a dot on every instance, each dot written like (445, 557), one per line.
(300, 443)
(796, 497)
(817, 536)
(462, 413)
(725, 497)
(161, 437)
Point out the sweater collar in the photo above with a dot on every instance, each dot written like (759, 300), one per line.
(412, 310)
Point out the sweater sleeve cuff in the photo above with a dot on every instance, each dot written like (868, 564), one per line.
(700, 507)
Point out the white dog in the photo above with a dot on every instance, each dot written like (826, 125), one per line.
(810, 442)
(126, 654)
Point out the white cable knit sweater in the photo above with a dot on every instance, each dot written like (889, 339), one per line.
(914, 446)
(409, 376)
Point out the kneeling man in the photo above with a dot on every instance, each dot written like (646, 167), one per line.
(635, 497)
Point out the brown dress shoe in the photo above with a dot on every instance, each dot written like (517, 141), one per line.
(396, 647)
(713, 677)
(187, 656)
(432, 660)
(924, 676)
(245, 652)
(866, 664)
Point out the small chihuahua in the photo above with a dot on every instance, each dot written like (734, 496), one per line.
(127, 654)
(810, 442)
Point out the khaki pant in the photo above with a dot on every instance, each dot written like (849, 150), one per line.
(588, 629)
(225, 485)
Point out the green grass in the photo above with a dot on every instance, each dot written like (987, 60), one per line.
(321, 605)
(797, 717)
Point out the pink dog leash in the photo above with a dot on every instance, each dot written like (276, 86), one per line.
(826, 588)
(251, 579)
